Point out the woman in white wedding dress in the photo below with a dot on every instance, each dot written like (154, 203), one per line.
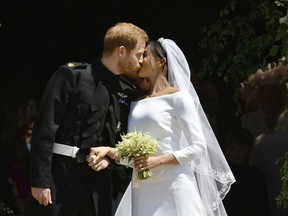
(190, 173)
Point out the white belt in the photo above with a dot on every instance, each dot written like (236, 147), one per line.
(65, 150)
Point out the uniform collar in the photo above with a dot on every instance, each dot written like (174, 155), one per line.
(100, 72)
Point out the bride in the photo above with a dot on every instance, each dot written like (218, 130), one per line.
(190, 173)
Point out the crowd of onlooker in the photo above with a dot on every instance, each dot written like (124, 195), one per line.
(18, 105)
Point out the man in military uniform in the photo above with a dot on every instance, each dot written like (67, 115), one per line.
(83, 105)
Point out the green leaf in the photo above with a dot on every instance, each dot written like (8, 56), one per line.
(274, 50)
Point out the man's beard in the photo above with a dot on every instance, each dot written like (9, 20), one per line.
(126, 68)
(140, 84)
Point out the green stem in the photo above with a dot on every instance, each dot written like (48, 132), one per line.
(144, 174)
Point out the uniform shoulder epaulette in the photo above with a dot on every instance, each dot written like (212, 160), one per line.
(76, 65)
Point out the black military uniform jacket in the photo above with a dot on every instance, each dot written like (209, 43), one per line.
(83, 105)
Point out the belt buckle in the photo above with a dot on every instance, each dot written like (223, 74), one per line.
(74, 151)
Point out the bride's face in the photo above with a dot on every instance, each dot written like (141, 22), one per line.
(150, 70)
(150, 66)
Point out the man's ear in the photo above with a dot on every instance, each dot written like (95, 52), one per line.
(121, 50)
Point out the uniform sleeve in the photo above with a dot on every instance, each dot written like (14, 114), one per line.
(50, 114)
(188, 119)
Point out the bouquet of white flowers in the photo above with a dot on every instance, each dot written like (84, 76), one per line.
(136, 144)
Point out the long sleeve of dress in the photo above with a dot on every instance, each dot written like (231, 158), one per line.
(188, 119)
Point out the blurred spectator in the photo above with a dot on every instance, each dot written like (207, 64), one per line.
(210, 100)
(18, 109)
(266, 97)
(216, 103)
(268, 149)
(247, 196)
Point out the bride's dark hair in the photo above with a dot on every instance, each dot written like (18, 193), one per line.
(156, 49)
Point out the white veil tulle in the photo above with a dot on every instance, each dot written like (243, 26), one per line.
(213, 173)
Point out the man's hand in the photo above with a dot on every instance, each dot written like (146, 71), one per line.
(102, 164)
(42, 195)
(97, 158)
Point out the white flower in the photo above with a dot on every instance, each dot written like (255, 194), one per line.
(135, 144)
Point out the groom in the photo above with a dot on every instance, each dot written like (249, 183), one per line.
(83, 106)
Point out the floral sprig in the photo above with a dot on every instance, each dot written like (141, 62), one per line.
(282, 198)
(135, 144)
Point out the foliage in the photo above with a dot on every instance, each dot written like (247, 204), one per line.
(282, 198)
(249, 35)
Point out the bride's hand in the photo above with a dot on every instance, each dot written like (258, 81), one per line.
(97, 154)
(145, 163)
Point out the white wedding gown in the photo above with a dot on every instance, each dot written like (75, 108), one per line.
(172, 190)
